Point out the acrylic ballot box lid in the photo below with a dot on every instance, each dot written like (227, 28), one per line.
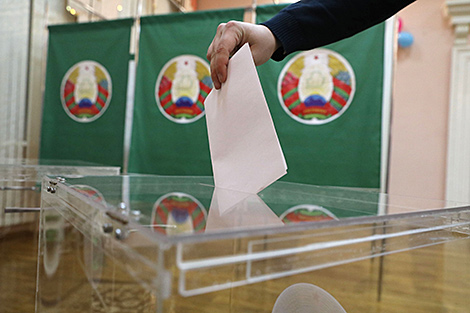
(20, 179)
(180, 237)
(19, 170)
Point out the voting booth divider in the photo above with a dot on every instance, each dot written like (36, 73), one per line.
(85, 94)
(329, 105)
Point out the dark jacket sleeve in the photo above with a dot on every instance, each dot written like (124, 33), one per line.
(309, 24)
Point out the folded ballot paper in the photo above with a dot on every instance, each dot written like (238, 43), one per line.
(245, 151)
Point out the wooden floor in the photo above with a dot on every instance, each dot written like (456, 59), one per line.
(426, 280)
(18, 255)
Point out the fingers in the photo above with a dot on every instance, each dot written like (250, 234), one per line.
(219, 64)
(227, 39)
(215, 40)
(230, 37)
(216, 60)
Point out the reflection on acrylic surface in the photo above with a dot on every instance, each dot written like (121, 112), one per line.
(53, 236)
(90, 192)
(231, 209)
(307, 213)
(54, 232)
(178, 212)
(93, 255)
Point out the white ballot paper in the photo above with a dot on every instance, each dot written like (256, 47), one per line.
(245, 151)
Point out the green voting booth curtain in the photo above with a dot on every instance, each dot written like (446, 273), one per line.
(85, 95)
(327, 108)
(169, 135)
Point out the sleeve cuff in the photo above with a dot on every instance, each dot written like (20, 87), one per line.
(288, 31)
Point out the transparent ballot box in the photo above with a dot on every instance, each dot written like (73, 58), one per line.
(177, 244)
(20, 182)
(20, 200)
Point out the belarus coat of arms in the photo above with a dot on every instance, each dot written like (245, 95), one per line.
(316, 86)
(86, 91)
(182, 86)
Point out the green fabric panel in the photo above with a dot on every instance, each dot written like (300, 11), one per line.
(101, 140)
(159, 144)
(347, 150)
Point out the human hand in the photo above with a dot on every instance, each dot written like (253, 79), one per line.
(232, 36)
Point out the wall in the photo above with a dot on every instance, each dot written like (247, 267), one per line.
(14, 28)
(224, 4)
(420, 103)
(44, 12)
